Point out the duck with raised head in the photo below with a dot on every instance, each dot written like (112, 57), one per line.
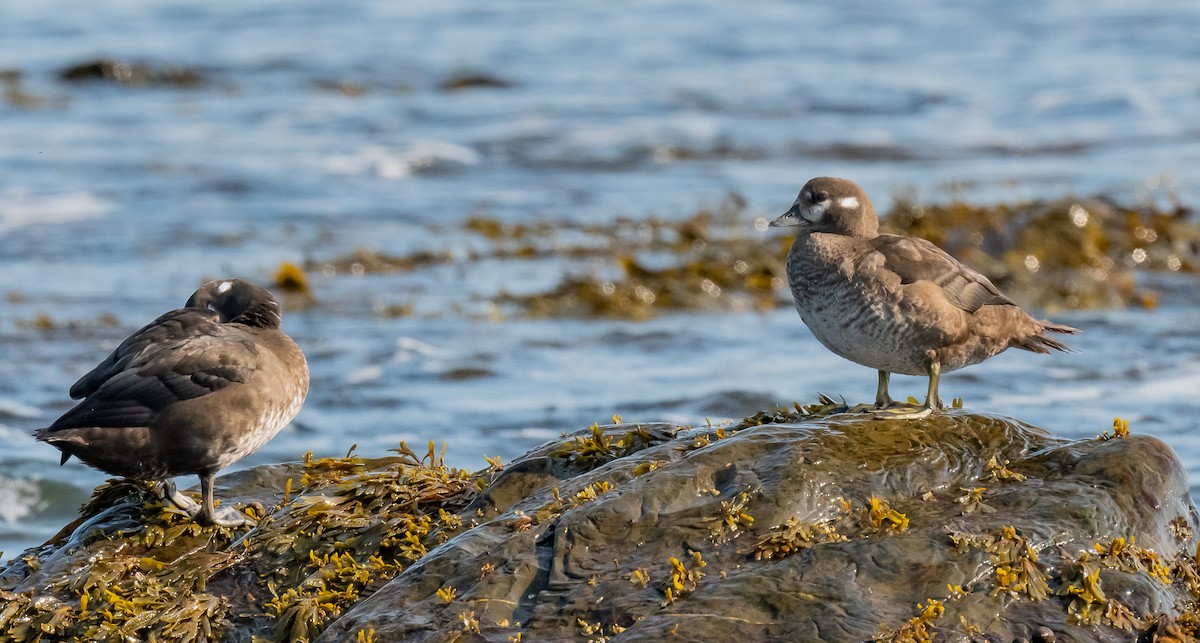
(894, 303)
(192, 392)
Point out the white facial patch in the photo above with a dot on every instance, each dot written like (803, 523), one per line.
(814, 212)
(224, 287)
(848, 202)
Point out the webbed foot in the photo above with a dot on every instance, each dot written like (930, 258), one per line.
(172, 495)
(226, 517)
(904, 411)
(204, 513)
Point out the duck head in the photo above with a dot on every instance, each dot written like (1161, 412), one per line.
(834, 206)
(238, 302)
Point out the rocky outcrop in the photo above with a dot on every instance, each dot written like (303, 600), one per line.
(807, 525)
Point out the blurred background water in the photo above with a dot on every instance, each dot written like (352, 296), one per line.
(301, 131)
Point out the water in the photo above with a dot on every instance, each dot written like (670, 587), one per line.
(116, 201)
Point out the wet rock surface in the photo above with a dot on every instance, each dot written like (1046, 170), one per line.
(132, 74)
(473, 80)
(805, 525)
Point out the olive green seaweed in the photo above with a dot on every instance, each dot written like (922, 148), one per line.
(795, 523)
(1049, 254)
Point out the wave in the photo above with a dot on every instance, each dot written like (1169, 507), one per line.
(424, 156)
(20, 208)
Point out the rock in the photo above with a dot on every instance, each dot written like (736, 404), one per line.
(132, 74)
(473, 80)
(790, 526)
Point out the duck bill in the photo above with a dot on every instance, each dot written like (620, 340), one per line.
(789, 219)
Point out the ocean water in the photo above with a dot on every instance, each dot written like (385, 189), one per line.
(320, 128)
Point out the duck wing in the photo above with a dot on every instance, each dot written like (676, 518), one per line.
(174, 325)
(913, 259)
(184, 354)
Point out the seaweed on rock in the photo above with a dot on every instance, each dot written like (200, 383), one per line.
(132, 567)
(791, 525)
(1062, 253)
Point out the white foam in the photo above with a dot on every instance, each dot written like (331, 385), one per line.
(409, 348)
(1078, 393)
(19, 208)
(422, 155)
(364, 374)
(538, 433)
(19, 499)
(1178, 384)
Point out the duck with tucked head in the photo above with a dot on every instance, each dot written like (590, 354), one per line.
(194, 391)
(894, 303)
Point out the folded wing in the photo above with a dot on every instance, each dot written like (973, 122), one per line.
(182, 355)
(915, 259)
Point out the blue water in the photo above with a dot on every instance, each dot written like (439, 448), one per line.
(115, 202)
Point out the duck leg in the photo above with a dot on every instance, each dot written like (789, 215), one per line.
(882, 399)
(207, 514)
(932, 401)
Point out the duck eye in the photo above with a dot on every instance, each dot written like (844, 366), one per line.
(820, 196)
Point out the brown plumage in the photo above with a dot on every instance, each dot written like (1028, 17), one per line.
(192, 392)
(896, 304)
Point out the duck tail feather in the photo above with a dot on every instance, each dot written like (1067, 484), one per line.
(1040, 342)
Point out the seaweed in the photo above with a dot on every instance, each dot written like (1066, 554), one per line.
(733, 519)
(1063, 253)
(1072, 253)
(880, 515)
(149, 572)
(916, 629)
(795, 536)
(133, 74)
(473, 80)
(684, 579)
(597, 447)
